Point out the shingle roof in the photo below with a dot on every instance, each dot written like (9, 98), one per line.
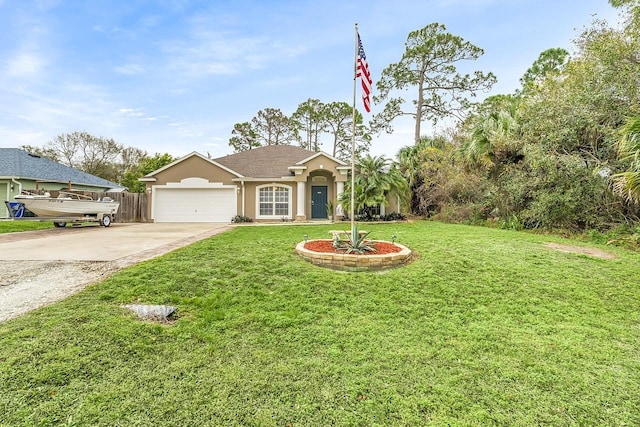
(270, 161)
(18, 163)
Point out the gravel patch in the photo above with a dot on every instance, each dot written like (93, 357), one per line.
(27, 285)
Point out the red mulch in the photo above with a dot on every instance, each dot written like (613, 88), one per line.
(326, 246)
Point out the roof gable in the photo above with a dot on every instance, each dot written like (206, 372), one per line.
(149, 176)
(18, 163)
(270, 161)
(319, 154)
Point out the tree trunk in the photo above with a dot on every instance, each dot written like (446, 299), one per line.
(419, 108)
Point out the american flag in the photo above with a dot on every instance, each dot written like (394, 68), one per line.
(362, 71)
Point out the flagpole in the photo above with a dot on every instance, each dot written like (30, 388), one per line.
(353, 137)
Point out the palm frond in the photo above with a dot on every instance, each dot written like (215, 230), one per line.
(627, 184)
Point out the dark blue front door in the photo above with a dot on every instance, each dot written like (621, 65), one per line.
(318, 202)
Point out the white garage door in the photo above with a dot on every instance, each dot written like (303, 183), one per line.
(194, 204)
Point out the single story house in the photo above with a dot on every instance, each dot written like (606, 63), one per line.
(20, 170)
(270, 183)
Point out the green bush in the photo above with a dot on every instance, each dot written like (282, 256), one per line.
(554, 192)
(241, 218)
(624, 236)
(445, 185)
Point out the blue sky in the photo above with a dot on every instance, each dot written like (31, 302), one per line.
(174, 76)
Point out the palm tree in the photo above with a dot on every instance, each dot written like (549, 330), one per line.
(375, 178)
(628, 183)
(492, 140)
(410, 165)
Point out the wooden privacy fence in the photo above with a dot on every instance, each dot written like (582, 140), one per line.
(133, 206)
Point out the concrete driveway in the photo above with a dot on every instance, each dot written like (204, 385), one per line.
(96, 243)
(44, 266)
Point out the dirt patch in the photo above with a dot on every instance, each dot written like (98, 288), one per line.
(596, 253)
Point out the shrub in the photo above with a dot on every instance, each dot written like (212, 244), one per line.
(444, 183)
(366, 216)
(241, 218)
(393, 216)
(553, 192)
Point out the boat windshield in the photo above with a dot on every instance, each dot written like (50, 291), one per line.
(73, 196)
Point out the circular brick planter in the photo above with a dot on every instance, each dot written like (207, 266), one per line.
(351, 262)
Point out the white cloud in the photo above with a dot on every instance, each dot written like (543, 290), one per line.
(207, 52)
(129, 69)
(150, 21)
(24, 64)
(215, 142)
(136, 113)
(12, 137)
(28, 49)
(46, 5)
(131, 112)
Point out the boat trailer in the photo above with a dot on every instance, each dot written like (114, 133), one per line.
(17, 212)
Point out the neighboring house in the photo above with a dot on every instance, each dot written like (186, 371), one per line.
(20, 170)
(270, 183)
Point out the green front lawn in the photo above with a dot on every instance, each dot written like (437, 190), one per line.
(485, 327)
(12, 226)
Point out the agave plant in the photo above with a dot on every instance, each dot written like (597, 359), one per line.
(354, 242)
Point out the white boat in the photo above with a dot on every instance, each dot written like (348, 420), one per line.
(69, 205)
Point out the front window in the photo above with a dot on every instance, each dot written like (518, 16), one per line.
(274, 201)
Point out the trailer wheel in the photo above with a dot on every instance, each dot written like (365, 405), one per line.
(106, 221)
(59, 224)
